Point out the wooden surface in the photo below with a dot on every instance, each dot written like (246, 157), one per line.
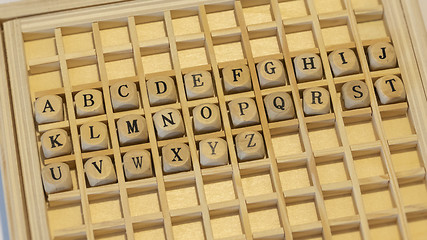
(348, 174)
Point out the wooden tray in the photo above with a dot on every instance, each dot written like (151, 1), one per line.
(356, 174)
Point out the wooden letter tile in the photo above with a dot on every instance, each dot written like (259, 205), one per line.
(56, 178)
(124, 96)
(89, 103)
(100, 171)
(168, 123)
(243, 112)
(132, 129)
(49, 109)
(271, 73)
(137, 164)
(198, 84)
(279, 106)
(206, 118)
(390, 89)
(236, 78)
(161, 90)
(343, 62)
(55, 143)
(94, 136)
(316, 101)
(213, 152)
(355, 94)
(176, 158)
(308, 67)
(249, 146)
(381, 56)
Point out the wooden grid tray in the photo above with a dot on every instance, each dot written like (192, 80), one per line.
(349, 174)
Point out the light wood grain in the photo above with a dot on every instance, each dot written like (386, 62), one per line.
(347, 173)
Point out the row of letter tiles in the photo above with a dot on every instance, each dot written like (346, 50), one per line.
(137, 164)
(132, 129)
(198, 84)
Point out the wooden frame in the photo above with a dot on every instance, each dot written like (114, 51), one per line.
(281, 203)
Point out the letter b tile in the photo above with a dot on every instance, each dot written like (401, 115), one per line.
(89, 103)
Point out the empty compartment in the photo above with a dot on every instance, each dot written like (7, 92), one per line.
(83, 72)
(256, 182)
(405, 158)
(181, 194)
(143, 201)
(114, 34)
(186, 21)
(77, 39)
(335, 35)
(150, 27)
(40, 48)
(149, 231)
(365, 4)
(226, 224)
(413, 192)
(331, 169)
(417, 227)
(192, 54)
(219, 188)
(347, 234)
(294, 176)
(264, 46)
(116, 233)
(339, 206)
(99, 204)
(385, 230)
(63, 215)
(45, 81)
(302, 212)
(369, 164)
(286, 141)
(377, 198)
(264, 217)
(228, 48)
(156, 58)
(292, 9)
(323, 136)
(326, 6)
(372, 30)
(221, 16)
(188, 228)
(360, 130)
(119, 65)
(397, 126)
(257, 12)
(301, 38)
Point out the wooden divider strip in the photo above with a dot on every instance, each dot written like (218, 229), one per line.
(244, 216)
(188, 127)
(385, 152)
(112, 130)
(303, 128)
(337, 108)
(264, 124)
(158, 170)
(74, 133)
